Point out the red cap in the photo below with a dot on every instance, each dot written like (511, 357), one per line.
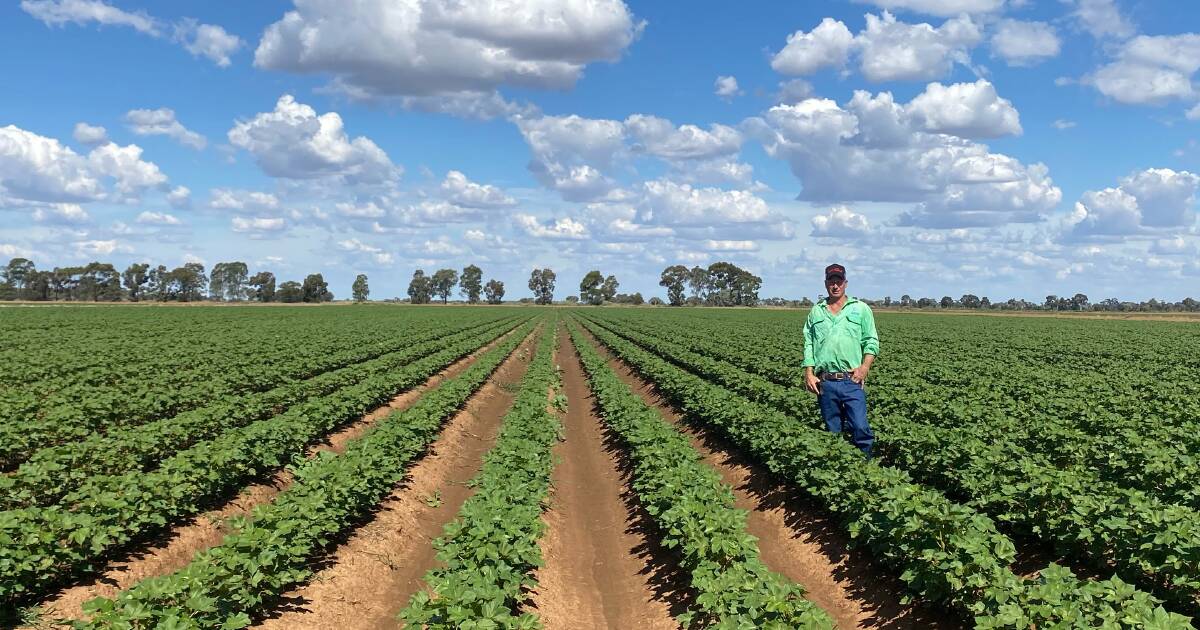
(835, 270)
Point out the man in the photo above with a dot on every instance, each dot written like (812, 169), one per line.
(840, 345)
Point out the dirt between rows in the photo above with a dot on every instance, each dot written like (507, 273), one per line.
(796, 538)
(371, 576)
(602, 566)
(176, 548)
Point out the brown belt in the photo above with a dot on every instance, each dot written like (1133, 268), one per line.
(834, 376)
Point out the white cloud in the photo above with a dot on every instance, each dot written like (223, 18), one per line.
(1193, 113)
(463, 192)
(670, 203)
(1152, 199)
(1101, 18)
(827, 45)
(942, 8)
(897, 51)
(207, 40)
(162, 122)
(90, 135)
(1025, 43)
(370, 210)
(375, 254)
(180, 197)
(726, 87)
(378, 48)
(1062, 124)
(840, 222)
(8, 250)
(565, 228)
(718, 171)
(60, 12)
(729, 246)
(1151, 70)
(438, 213)
(660, 138)
(794, 91)
(100, 247)
(158, 218)
(294, 142)
(258, 225)
(967, 110)
(229, 199)
(35, 168)
(61, 213)
(570, 153)
(1111, 211)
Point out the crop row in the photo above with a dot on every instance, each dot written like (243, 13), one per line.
(946, 553)
(72, 413)
(694, 511)
(490, 551)
(53, 472)
(42, 546)
(1150, 543)
(265, 555)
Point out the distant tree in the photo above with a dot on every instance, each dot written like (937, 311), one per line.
(984, 302)
(887, 301)
(494, 291)
(158, 284)
(290, 292)
(443, 282)
(1051, 302)
(541, 282)
(674, 278)
(657, 301)
(730, 285)
(947, 302)
(360, 290)
(228, 281)
(608, 290)
(99, 282)
(589, 288)
(263, 284)
(970, 300)
(420, 289)
(1079, 302)
(572, 299)
(315, 289)
(806, 303)
(186, 283)
(926, 302)
(17, 276)
(635, 299)
(698, 282)
(471, 283)
(135, 277)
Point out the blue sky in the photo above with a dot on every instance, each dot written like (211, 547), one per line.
(935, 147)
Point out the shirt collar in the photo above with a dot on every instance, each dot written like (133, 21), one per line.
(849, 300)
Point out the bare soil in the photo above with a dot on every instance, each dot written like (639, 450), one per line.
(176, 548)
(603, 568)
(370, 577)
(795, 537)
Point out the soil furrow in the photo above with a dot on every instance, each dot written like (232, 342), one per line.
(599, 570)
(175, 549)
(371, 576)
(796, 538)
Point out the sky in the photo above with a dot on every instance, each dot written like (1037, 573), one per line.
(1005, 148)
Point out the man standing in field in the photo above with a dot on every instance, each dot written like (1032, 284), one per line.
(840, 344)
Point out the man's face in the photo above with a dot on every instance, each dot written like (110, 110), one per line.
(835, 287)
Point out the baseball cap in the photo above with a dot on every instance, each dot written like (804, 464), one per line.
(835, 270)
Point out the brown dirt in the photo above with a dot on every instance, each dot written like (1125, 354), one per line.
(372, 575)
(176, 548)
(796, 538)
(599, 567)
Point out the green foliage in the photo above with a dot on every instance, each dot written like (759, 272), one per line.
(359, 290)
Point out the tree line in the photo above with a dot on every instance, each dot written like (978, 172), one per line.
(20, 279)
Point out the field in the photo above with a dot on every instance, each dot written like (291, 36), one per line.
(518, 467)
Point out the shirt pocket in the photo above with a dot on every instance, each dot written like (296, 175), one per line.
(821, 329)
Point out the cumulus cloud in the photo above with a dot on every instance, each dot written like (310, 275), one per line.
(158, 218)
(840, 222)
(827, 45)
(90, 135)
(229, 199)
(873, 150)
(942, 8)
(294, 142)
(60, 12)
(376, 255)
(463, 192)
(897, 51)
(207, 40)
(967, 110)
(794, 91)
(726, 87)
(565, 228)
(377, 48)
(712, 245)
(661, 138)
(1155, 198)
(35, 168)
(1025, 43)
(1151, 70)
(98, 247)
(180, 197)
(670, 203)
(61, 213)
(258, 226)
(570, 153)
(162, 122)
(1101, 18)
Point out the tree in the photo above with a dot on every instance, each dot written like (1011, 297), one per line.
(264, 287)
(470, 283)
(698, 282)
(730, 285)
(609, 288)
(135, 277)
(1079, 302)
(494, 291)
(657, 301)
(186, 283)
(589, 288)
(157, 284)
(1051, 302)
(17, 277)
(572, 299)
(420, 289)
(674, 278)
(541, 282)
(442, 283)
(947, 301)
(360, 290)
(970, 300)
(315, 289)
(926, 302)
(985, 302)
(228, 281)
(290, 292)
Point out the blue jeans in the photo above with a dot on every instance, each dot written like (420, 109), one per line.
(844, 408)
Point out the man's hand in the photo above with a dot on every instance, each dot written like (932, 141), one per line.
(811, 382)
(859, 374)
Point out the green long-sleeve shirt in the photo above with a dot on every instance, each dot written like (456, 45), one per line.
(837, 343)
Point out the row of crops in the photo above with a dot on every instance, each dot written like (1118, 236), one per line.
(982, 455)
